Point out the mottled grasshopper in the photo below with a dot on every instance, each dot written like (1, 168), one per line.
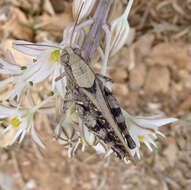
(96, 106)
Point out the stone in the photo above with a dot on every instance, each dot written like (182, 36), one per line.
(157, 80)
(137, 76)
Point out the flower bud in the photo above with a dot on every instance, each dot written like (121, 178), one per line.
(68, 133)
(82, 8)
(120, 30)
(77, 37)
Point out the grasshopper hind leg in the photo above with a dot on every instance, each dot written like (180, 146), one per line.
(118, 115)
(130, 141)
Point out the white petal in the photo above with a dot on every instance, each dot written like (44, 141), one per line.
(70, 150)
(42, 74)
(148, 146)
(58, 129)
(36, 138)
(46, 102)
(83, 147)
(88, 136)
(6, 81)
(122, 26)
(150, 140)
(4, 72)
(151, 117)
(7, 111)
(29, 48)
(99, 148)
(120, 40)
(136, 131)
(22, 130)
(135, 138)
(31, 69)
(35, 73)
(159, 133)
(49, 111)
(17, 92)
(138, 154)
(76, 146)
(154, 136)
(6, 129)
(14, 69)
(132, 152)
(57, 72)
(61, 87)
(18, 133)
(11, 58)
(86, 9)
(155, 123)
(22, 136)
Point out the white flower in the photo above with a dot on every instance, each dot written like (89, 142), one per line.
(47, 63)
(71, 133)
(73, 36)
(23, 120)
(65, 130)
(120, 30)
(145, 129)
(115, 37)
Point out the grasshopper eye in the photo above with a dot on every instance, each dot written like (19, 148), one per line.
(77, 51)
(64, 57)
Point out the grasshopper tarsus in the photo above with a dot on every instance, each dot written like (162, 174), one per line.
(60, 77)
(104, 78)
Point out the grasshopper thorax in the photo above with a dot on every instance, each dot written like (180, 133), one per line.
(81, 71)
(68, 57)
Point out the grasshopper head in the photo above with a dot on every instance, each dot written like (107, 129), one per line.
(70, 56)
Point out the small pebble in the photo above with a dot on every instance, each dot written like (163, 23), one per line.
(31, 184)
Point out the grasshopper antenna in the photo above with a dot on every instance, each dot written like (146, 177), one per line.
(75, 24)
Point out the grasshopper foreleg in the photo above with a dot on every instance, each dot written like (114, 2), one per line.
(60, 77)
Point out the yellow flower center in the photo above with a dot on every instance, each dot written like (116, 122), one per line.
(55, 56)
(10, 83)
(141, 138)
(15, 122)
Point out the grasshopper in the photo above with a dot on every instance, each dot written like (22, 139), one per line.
(97, 108)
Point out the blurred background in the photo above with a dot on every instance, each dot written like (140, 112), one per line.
(153, 76)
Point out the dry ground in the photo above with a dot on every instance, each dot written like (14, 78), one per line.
(153, 75)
